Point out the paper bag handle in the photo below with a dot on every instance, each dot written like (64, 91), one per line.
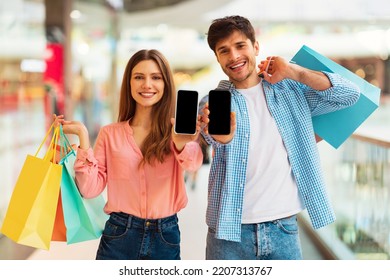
(65, 144)
(54, 140)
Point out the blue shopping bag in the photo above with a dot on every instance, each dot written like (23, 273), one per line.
(336, 127)
(84, 218)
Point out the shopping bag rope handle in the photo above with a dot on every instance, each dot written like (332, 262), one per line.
(65, 143)
(54, 141)
(54, 138)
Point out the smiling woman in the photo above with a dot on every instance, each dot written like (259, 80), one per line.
(147, 84)
(143, 207)
(147, 81)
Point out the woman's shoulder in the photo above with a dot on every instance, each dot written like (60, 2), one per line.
(115, 127)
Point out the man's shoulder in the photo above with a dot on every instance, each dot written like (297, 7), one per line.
(224, 85)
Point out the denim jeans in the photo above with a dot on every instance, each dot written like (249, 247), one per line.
(126, 237)
(274, 240)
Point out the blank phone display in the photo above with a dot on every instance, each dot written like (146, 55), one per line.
(220, 107)
(186, 112)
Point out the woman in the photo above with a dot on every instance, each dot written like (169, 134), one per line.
(141, 161)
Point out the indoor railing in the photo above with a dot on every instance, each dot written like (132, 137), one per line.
(358, 181)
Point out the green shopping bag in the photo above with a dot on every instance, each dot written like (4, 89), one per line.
(84, 218)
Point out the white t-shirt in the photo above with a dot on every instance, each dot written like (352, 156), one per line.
(271, 191)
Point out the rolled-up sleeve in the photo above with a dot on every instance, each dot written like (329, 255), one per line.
(191, 157)
(90, 170)
(342, 94)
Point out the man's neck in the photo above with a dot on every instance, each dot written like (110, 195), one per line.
(247, 83)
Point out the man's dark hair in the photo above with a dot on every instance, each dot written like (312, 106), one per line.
(223, 27)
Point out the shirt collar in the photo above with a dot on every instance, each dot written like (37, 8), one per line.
(227, 85)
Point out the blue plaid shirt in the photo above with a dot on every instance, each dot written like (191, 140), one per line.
(292, 105)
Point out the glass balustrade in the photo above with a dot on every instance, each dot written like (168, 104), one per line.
(358, 181)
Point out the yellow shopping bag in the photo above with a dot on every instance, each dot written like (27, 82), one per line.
(29, 219)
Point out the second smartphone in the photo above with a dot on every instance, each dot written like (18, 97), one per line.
(220, 108)
(186, 114)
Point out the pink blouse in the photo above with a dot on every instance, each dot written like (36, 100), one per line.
(148, 192)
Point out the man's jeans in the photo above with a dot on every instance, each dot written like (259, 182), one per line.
(275, 240)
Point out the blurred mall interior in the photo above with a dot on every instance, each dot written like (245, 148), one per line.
(68, 57)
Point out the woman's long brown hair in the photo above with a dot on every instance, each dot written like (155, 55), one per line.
(157, 144)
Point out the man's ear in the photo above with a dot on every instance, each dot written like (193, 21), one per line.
(256, 46)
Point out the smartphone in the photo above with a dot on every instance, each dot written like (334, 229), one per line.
(186, 114)
(219, 107)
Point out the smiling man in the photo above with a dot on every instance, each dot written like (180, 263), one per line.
(268, 169)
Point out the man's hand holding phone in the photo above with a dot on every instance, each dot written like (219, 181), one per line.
(217, 118)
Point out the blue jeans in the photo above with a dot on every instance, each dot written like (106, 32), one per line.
(274, 240)
(126, 237)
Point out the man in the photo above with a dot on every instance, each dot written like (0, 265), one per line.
(267, 169)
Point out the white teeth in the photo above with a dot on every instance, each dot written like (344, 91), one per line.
(238, 65)
(147, 94)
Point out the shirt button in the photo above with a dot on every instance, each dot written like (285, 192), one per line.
(247, 135)
(244, 160)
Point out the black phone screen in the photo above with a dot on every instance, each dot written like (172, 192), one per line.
(220, 107)
(186, 112)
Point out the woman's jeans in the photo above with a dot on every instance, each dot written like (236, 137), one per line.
(126, 237)
(274, 240)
